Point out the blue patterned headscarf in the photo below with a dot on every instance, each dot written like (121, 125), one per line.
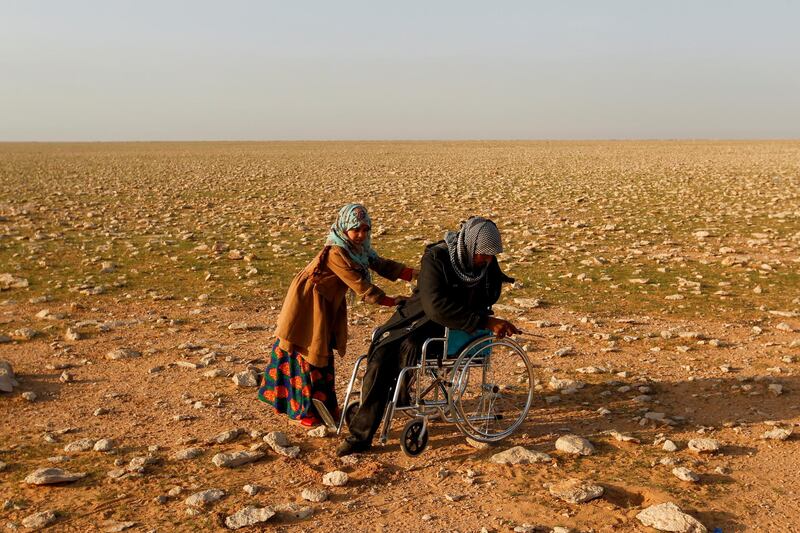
(350, 217)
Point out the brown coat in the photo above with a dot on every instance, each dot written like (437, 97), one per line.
(313, 319)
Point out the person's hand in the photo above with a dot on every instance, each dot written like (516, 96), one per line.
(414, 274)
(501, 328)
(399, 299)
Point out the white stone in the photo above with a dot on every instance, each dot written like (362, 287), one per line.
(669, 446)
(314, 494)
(669, 517)
(52, 476)
(249, 516)
(704, 445)
(187, 454)
(777, 433)
(519, 455)
(576, 491)
(227, 436)
(204, 498)
(80, 445)
(104, 445)
(337, 478)
(122, 353)
(39, 520)
(318, 432)
(775, 388)
(251, 490)
(288, 511)
(234, 459)
(684, 474)
(279, 443)
(245, 378)
(574, 444)
(563, 352)
(29, 396)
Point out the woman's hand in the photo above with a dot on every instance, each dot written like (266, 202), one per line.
(409, 274)
(391, 301)
(501, 328)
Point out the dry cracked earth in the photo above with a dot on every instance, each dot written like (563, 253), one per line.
(141, 283)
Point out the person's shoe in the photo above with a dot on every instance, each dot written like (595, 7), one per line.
(348, 447)
(310, 421)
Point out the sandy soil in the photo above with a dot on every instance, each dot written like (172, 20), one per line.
(707, 368)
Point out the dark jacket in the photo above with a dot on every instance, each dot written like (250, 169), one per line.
(441, 299)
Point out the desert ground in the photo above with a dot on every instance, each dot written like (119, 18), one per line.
(141, 283)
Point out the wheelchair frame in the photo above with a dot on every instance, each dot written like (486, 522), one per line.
(442, 370)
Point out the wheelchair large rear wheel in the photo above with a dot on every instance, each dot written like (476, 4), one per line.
(492, 389)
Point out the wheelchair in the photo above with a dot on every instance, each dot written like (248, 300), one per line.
(482, 384)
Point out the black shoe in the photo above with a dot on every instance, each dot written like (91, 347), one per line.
(348, 447)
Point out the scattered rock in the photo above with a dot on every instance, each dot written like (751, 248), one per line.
(251, 490)
(122, 353)
(245, 378)
(775, 388)
(80, 445)
(204, 498)
(337, 478)
(528, 303)
(24, 334)
(478, 445)
(314, 494)
(40, 520)
(227, 436)
(139, 464)
(777, 433)
(669, 517)
(563, 352)
(7, 379)
(279, 443)
(622, 437)
(104, 445)
(704, 445)
(289, 511)
(519, 455)
(234, 459)
(72, 335)
(576, 491)
(249, 516)
(684, 474)
(30, 396)
(574, 444)
(9, 281)
(112, 526)
(52, 476)
(187, 454)
(318, 432)
(669, 446)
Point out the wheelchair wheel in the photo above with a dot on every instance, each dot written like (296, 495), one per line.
(492, 389)
(413, 440)
(350, 411)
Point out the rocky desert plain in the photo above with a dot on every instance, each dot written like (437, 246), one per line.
(141, 283)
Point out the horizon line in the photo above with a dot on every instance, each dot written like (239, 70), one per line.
(411, 140)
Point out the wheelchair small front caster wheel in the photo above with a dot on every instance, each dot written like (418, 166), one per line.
(413, 440)
(350, 411)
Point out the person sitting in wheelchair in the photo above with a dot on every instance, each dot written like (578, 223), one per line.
(459, 280)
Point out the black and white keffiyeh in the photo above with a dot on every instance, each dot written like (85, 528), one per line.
(477, 235)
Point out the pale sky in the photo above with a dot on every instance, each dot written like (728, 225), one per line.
(413, 69)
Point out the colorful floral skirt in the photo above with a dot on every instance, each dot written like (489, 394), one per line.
(290, 383)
